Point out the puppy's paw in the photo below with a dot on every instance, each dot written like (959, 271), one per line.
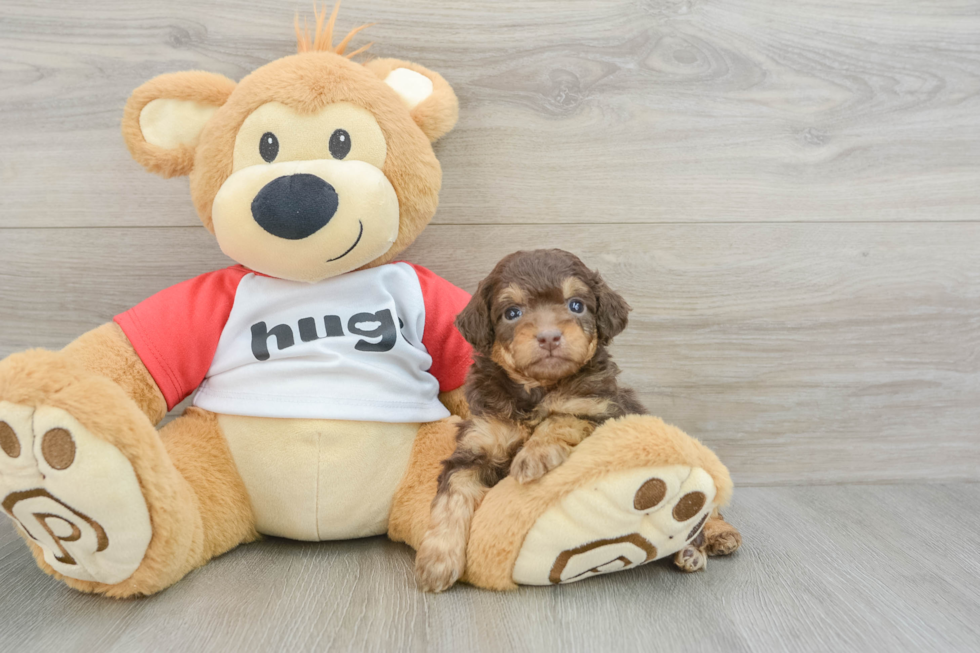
(691, 559)
(721, 538)
(439, 564)
(533, 462)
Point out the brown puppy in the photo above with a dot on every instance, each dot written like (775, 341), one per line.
(541, 382)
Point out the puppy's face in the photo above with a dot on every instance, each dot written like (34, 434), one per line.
(541, 315)
(544, 333)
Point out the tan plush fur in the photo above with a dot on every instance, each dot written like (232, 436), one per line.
(200, 453)
(106, 351)
(509, 510)
(306, 83)
(322, 38)
(197, 503)
(186, 532)
(455, 402)
(437, 114)
(409, 518)
(195, 85)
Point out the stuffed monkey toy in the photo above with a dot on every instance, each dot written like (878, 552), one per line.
(327, 374)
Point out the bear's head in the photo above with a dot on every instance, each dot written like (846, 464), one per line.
(309, 167)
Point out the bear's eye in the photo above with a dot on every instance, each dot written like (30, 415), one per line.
(512, 313)
(576, 306)
(339, 144)
(269, 147)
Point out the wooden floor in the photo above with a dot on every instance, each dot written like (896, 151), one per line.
(788, 193)
(843, 568)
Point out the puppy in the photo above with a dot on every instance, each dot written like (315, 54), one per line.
(541, 382)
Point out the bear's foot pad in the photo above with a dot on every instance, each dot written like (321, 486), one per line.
(73, 494)
(620, 521)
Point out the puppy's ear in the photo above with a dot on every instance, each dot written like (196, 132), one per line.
(164, 118)
(474, 321)
(612, 311)
(429, 98)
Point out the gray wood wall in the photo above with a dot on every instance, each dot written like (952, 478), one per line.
(787, 193)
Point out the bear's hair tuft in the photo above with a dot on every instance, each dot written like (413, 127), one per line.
(322, 38)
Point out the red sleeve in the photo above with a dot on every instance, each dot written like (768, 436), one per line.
(451, 355)
(175, 332)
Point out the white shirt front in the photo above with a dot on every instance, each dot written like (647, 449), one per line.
(349, 347)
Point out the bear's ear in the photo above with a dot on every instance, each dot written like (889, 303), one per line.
(165, 116)
(428, 96)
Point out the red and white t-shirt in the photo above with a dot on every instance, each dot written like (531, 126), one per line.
(373, 345)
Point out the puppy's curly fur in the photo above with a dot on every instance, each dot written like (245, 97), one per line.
(542, 379)
(541, 382)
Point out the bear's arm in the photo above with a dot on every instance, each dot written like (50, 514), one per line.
(455, 402)
(160, 350)
(175, 332)
(107, 351)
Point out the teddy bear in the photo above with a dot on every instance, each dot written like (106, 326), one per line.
(326, 374)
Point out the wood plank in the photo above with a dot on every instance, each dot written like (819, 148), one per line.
(721, 110)
(801, 353)
(823, 569)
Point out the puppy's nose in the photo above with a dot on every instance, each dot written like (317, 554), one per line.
(295, 206)
(549, 339)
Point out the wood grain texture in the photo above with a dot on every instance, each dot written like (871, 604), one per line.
(696, 152)
(572, 111)
(801, 353)
(823, 569)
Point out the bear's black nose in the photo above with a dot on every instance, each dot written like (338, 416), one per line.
(295, 206)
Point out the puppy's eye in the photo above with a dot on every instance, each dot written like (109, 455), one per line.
(576, 306)
(512, 313)
(339, 144)
(269, 147)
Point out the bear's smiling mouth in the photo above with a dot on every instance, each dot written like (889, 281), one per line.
(349, 249)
